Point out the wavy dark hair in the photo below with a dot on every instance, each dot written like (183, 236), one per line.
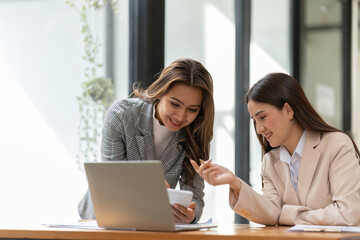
(199, 133)
(279, 88)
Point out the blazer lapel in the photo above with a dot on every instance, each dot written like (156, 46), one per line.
(146, 141)
(308, 164)
(282, 169)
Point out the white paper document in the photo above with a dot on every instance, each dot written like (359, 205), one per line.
(93, 225)
(81, 224)
(323, 228)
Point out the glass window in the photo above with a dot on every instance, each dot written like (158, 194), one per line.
(207, 34)
(355, 84)
(269, 52)
(41, 69)
(321, 69)
(121, 49)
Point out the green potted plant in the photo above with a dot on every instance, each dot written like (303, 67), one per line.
(97, 91)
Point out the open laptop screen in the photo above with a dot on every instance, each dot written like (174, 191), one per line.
(130, 195)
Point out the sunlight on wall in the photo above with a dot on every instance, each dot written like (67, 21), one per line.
(39, 180)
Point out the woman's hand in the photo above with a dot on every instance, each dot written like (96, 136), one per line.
(217, 175)
(182, 214)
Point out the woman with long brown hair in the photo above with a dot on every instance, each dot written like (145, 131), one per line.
(172, 121)
(310, 170)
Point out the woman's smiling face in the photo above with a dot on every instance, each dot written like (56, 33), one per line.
(274, 124)
(179, 107)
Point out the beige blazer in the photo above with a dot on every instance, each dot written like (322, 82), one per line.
(328, 186)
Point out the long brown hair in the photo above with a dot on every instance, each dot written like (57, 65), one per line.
(279, 88)
(199, 133)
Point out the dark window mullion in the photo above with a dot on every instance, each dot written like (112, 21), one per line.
(296, 36)
(346, 64)
(146, 50)
(242, 65)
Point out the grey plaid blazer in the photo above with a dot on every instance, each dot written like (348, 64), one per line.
(128, 135)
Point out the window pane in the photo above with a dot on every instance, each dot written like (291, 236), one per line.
(322, 59)
(207, 34)
(269, 52)
(121, 49)
(41, 70)
(355, 84)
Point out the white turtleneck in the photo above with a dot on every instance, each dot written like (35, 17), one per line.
(162, 136)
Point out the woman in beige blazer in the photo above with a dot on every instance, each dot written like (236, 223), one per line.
(310, 170)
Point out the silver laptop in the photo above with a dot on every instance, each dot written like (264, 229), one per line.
(132, 195)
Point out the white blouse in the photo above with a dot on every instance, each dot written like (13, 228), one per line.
(293, 160)
(162, 136)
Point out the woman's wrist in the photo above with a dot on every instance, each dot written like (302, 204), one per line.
(235, 185)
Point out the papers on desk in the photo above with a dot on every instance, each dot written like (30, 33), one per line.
(80, 224)
(92, 224)
(322, 228)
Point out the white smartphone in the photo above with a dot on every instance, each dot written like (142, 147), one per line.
(181, 197)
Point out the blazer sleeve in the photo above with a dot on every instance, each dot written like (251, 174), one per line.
(113, 145)
(344, 177)
(264, 209)
(85, 207)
